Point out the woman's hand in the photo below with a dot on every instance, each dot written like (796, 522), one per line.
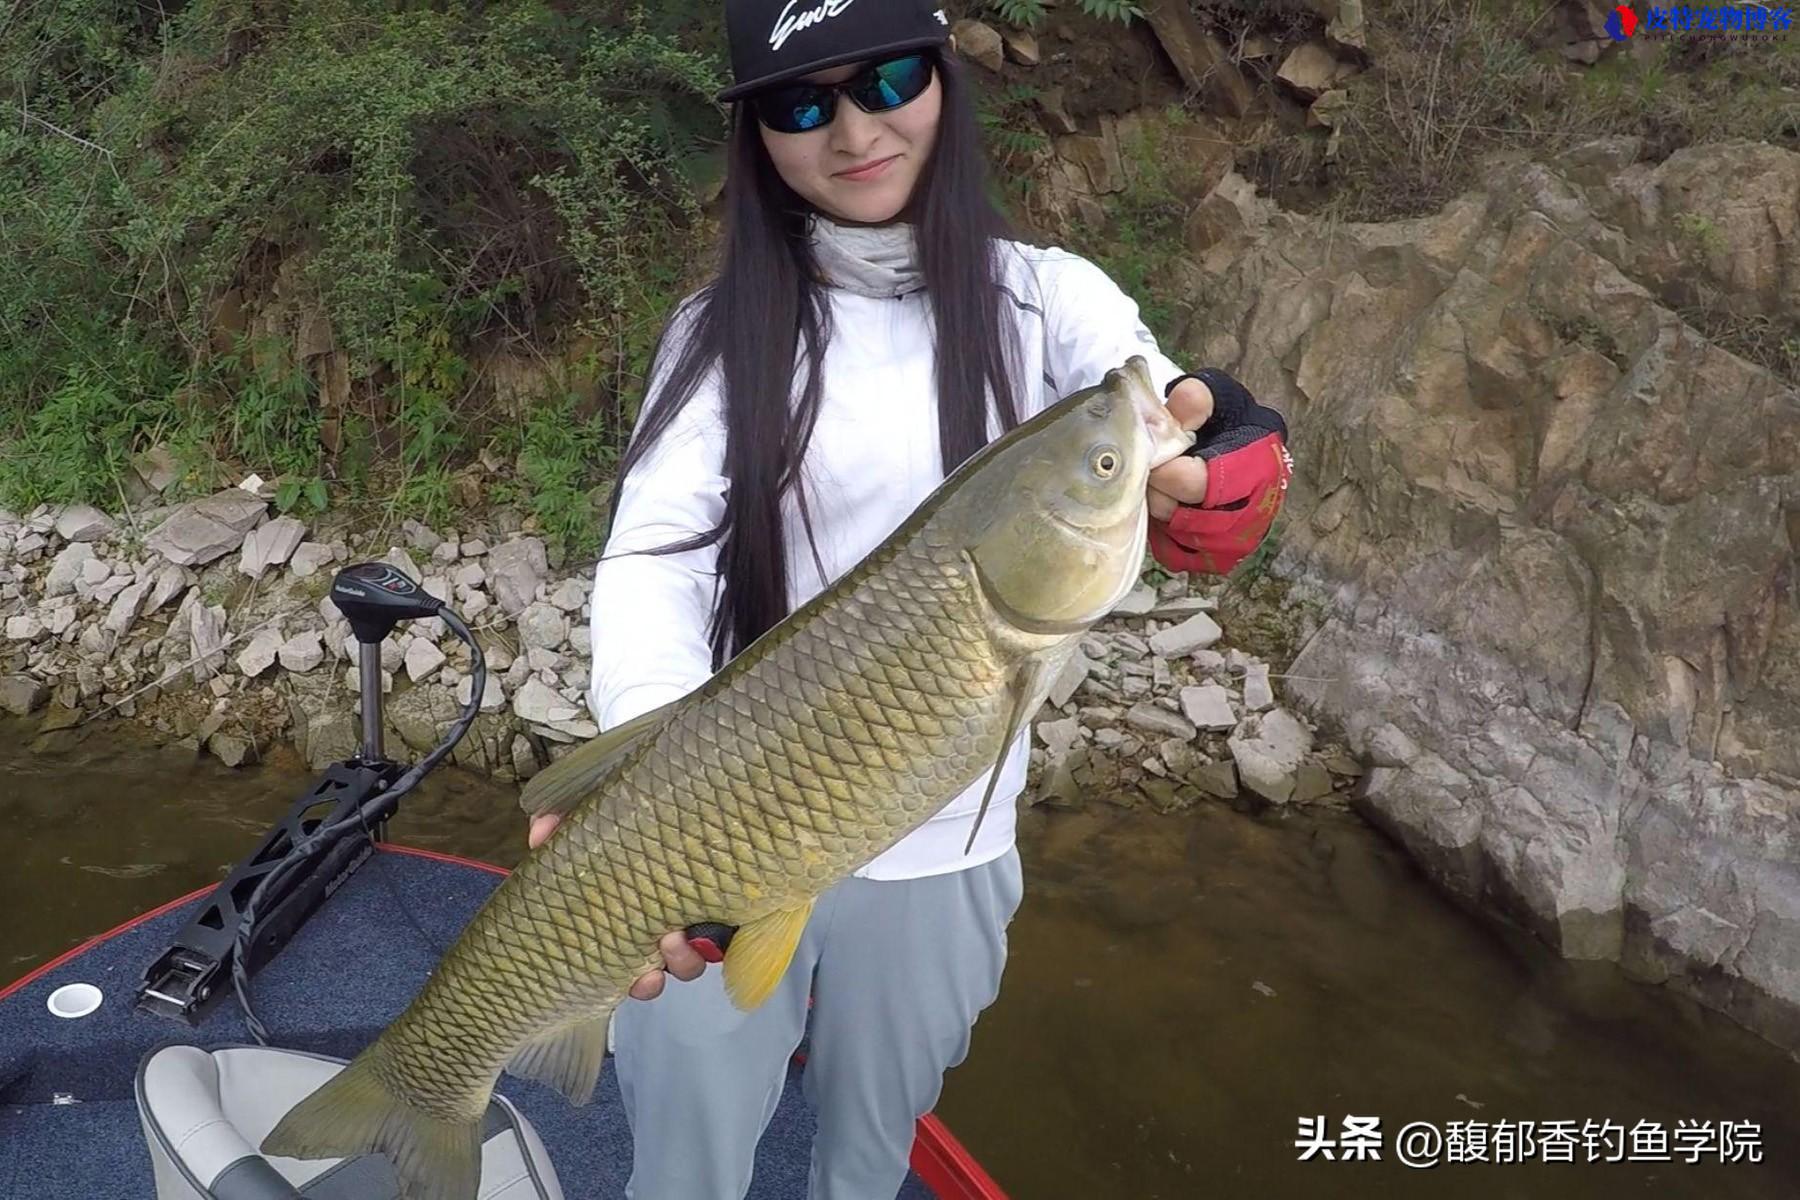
(1182, 481)
(679, 959)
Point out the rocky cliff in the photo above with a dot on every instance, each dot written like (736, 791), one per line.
(1554, 527)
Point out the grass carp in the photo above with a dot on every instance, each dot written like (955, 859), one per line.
(814, 750)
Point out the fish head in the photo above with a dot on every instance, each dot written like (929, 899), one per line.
(1063, 535)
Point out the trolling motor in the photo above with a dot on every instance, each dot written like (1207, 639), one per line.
(329, 832)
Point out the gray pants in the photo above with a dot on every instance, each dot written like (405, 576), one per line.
(898, 969)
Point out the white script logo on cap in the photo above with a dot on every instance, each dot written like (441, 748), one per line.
(790, 22)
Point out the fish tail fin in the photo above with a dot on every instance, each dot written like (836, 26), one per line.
(356, 1113)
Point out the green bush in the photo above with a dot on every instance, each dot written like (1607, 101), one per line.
(435, 181)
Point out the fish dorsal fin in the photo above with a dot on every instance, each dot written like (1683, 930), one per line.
(760, 953)
(1026, 687)
(568, 1058)
(560, 786)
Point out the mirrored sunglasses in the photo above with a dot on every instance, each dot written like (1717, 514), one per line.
(882, 87)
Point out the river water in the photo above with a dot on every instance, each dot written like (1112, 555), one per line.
(1182, 992)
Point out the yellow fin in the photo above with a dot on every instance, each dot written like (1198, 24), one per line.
(760, 953)
(562, 785)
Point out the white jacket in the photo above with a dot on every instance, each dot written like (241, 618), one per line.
(872, 460)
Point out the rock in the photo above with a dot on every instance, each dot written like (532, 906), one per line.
(1052, 104)
(125, 608)
(25, 628)
(1258, 695)
(475, 605)
(493, 695)
(544, 627)
(1131, 644)
(1311, 783)
(1138, 603)
(1180, 608)
(1059, 737)
(309, 558)
(446, 553)
(1210, 661)
(1328, 111)
(515, 572)
(1348, 28)
(1178, 755)
(94, 572)
(1022, 47)
(419, 537)
(230, 749)
(84, 523)
(208, 529)
(157, 468)
(421, 715)
(1074, 673)
(539, 705)
(979, 43)
(1268, 750)
(301, 653)
(422, 659)
(69, 566)
(59, 716)
(524, 759)
(97, 642)
(260, 654)
(59, 620)
(1390, 747)
(271, 545)
(1203, 63)
(569, 595)
(468, 577)
(1160, 722)
(206, 638)
(324, 729)
(1216, 779)
(21, 695)
(1311, 68)
(474, 548)
(169, 583)
(1208, 707)
(1197, 632)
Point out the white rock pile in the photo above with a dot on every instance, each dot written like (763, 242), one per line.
(211, 620)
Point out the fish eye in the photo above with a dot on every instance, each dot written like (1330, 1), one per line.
(1105, 462)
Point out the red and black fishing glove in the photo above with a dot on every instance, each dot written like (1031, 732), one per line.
(1248, 465)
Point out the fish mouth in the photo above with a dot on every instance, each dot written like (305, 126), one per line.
(1168, 440)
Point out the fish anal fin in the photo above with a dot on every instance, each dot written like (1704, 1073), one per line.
(1026, 693)
(567, 1058)
(760, 953)
(562, 785)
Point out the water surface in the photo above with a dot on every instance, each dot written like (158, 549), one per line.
(1181, 990)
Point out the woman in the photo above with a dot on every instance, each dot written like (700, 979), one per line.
(868, 282)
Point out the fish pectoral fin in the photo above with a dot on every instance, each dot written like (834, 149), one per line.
(560, 786)
(760, 953)
(568, 1058)
(1025, 685)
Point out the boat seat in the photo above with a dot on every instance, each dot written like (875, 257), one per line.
(204, 1113)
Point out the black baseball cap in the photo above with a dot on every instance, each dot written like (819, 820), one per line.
(773, 41)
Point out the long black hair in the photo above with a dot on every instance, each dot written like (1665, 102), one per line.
(765, 311)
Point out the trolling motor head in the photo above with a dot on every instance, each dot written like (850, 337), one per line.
(374, 597)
